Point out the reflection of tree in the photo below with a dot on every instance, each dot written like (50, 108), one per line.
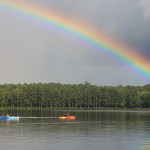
(101, 125)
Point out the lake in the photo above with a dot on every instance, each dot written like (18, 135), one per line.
(92, 130)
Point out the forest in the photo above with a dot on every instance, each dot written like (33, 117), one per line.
(57, 95)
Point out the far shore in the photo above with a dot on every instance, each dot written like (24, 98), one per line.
(75, 109)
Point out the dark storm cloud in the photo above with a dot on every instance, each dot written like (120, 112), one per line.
(36, 54)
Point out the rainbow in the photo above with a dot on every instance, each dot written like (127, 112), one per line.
(87, 35)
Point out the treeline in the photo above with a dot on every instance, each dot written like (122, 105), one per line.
(74, 96)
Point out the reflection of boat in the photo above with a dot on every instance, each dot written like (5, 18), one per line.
(67, 117)
(9, 118)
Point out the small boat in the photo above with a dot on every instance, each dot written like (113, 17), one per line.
(15, 118)
(67, 117)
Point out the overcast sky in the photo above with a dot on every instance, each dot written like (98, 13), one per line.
(32, 53)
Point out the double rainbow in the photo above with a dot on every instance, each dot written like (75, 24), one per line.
(87, 35)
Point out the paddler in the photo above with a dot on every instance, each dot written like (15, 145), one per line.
(7, 116)
(67, 115)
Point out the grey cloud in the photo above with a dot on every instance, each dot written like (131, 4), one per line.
(144, 6)
(30, 52)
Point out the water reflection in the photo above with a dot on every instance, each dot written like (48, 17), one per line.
(97, 130)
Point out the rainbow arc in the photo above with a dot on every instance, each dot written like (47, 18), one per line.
(135, 62)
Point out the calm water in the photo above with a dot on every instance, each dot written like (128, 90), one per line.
(92, 130)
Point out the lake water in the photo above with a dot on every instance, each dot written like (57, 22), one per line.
(92, 130)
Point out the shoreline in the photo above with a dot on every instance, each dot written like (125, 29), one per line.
(74, 109)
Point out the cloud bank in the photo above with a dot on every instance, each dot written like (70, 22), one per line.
(32, 53)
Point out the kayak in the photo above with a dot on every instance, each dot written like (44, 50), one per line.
(67, 117)
(15, 118)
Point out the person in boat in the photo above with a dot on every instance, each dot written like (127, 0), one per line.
(67, 115)
(7, 116)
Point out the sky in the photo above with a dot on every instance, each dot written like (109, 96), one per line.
(32, 53)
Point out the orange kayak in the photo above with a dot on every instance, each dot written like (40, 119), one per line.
(67, 117)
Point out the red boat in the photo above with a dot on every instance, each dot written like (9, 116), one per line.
(67, 117)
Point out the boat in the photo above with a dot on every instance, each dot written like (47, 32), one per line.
(67, 117)
(14, 118)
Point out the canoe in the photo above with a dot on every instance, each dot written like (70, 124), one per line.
(15, 118)
(67, 117)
